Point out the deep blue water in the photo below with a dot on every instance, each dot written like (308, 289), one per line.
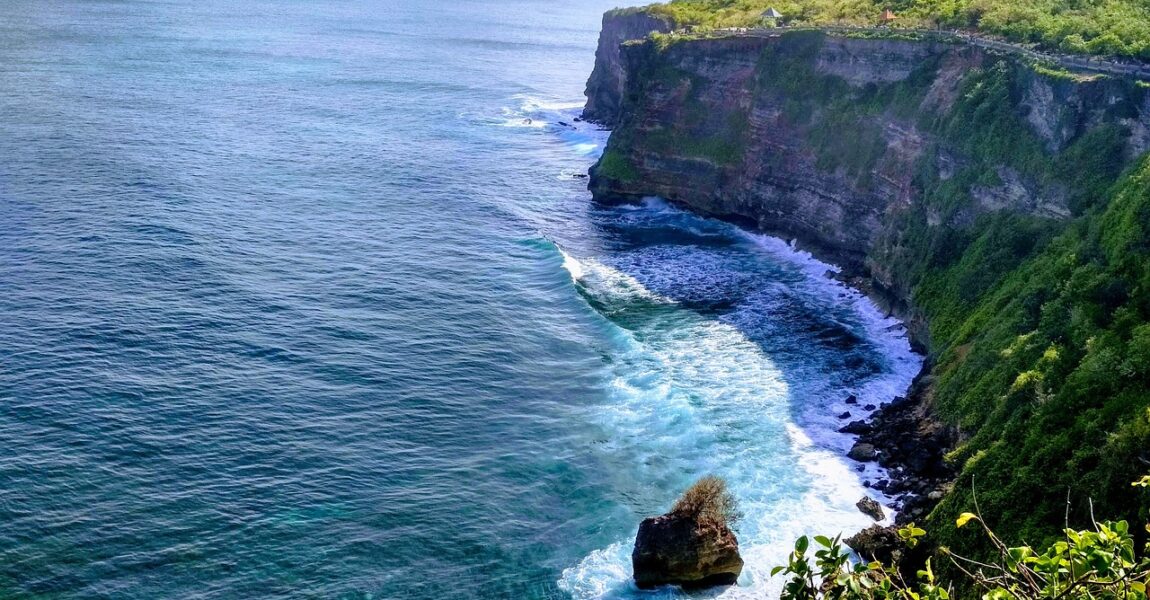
(294, 302)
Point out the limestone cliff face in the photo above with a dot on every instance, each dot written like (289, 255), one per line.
(856, 147)
(607, 81)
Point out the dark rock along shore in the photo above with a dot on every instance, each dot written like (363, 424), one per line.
(681, 550)
(912, 447)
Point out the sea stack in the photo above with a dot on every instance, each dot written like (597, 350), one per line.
(691, 546)
(679, 550)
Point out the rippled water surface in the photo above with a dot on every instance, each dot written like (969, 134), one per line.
(306, 299)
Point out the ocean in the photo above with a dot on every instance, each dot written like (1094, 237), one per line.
(307, 299)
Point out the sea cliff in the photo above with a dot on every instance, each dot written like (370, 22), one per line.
(838, 142)
(942, 177)
(608, 80)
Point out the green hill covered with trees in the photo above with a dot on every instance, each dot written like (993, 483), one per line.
(1050, 367)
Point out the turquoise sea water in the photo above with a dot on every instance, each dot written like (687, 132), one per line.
(295, 302)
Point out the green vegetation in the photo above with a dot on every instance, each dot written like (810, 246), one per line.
(1047, 363)
(1103, 27)
(1041, 327)
(1055, 71)
(615, 165)
(700, 132)
(1099, 563)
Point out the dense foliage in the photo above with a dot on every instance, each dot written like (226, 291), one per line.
(1099, 563)
(1049, 369)
(1106, 27)
(1040, 326)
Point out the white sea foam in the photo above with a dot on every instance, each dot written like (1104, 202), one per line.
(558, 118)
(690, 396)
(885, 332)
(573, 266)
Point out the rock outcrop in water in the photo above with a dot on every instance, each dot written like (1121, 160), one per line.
(691, 546)
(683, 550)
(871, 508)
(877, 542)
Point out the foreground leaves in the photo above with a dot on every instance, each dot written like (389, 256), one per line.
(1089, 564)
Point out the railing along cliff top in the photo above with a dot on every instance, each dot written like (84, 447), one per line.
(1071, 62)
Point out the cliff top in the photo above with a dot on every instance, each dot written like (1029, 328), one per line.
(1118, 28)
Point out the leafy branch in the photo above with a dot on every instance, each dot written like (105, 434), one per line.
(1091, 564)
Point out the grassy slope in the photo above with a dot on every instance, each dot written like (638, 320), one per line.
(1105, 27)
(1042, 329)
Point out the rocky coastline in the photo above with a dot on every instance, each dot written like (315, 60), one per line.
(925, 170)
(903, 435)
(911, 445)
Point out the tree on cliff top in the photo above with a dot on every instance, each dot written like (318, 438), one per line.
(709, 500)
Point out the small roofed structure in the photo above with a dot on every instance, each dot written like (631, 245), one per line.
(771, 13)
(887, 16)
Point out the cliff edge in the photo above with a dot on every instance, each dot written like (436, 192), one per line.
(608, 80)
(850, 144)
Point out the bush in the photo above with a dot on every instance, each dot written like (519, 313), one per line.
(709, 500)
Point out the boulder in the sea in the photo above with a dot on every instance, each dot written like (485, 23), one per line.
(692, 546)
(855, 428)
(869, 407)
(845, 415)
(876, 542)
(871, 508)
(863, 452)
(852, 399)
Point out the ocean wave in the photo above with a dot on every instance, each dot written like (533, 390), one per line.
(560, 118)
(692, 394)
